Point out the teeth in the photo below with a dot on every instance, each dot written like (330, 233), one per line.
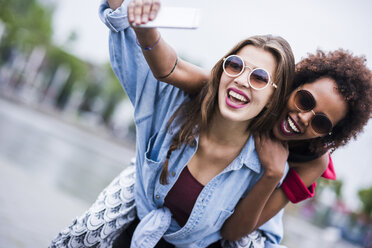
(237, 96)
(285, 128)
(292, 125)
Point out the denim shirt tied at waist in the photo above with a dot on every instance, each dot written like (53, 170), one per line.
(154, 103)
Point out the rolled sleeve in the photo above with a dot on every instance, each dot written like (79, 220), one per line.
(115, 20)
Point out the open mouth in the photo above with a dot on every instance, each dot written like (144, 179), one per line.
(289, 127)
(236, 98)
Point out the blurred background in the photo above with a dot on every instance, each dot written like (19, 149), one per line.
(66, 127)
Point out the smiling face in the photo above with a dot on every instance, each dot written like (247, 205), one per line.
(296, 125)
(237, 101)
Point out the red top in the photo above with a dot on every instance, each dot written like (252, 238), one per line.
(297, 191)
(181, 198)
(330, 172)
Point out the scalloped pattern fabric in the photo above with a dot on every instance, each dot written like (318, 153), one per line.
(112, 212)
(253, 240)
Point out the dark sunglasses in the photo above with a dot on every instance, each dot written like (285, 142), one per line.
(258, 78)
(305, 102)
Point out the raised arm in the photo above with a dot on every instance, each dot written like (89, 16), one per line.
(160, 56)
(114, 4)
(268, 200)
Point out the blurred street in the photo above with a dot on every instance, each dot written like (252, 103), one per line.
(51, 170)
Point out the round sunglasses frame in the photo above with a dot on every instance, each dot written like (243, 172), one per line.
(312, 110)
(269, 82)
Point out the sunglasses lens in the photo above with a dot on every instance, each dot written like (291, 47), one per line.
(259, 78)
(233, 65)
(321, 124)
(304, 100)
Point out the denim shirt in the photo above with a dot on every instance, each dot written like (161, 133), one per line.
(154, 103)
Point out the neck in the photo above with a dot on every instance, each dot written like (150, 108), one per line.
(221, 130)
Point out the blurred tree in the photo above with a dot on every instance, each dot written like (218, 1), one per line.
(27, 24)
(335, 185)
(112, 93)
(365, 196)
(79, 71)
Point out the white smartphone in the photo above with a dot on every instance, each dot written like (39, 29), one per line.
(175, 17)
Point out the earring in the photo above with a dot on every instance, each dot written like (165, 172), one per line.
(330, 133)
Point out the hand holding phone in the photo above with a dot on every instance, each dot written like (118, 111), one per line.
(153, 16)
(175, 17)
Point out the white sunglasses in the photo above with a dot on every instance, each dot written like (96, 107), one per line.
(258, 78)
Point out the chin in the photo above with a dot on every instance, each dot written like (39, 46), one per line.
(278, 134)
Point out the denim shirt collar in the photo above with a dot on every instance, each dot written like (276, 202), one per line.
(248, 157)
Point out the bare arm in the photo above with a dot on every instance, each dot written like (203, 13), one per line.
(248, 211)
(267, 200)
(309, 172)
(162, 57)
(114, 4)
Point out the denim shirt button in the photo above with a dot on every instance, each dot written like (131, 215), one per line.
(157, 197)
(193, 143)
(173, 173)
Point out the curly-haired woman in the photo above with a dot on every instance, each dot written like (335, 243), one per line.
(323, 82)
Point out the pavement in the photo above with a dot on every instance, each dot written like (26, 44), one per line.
(32, 213)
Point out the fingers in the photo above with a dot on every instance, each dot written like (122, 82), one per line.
(131, 11)
(265, 143)
(154, 9)
(142, 11)
(256, 137)
(137, 12)
(146, 10)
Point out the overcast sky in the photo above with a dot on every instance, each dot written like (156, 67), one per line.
(307, 25)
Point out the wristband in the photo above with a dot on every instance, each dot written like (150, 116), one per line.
(148, 48)
(295, 189)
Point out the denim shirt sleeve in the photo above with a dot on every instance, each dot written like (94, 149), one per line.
(153, 100)
(115, 20)
(126, 57)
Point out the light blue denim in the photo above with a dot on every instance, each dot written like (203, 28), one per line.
(154, 103)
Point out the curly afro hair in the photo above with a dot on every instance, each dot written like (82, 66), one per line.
(354, 83)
